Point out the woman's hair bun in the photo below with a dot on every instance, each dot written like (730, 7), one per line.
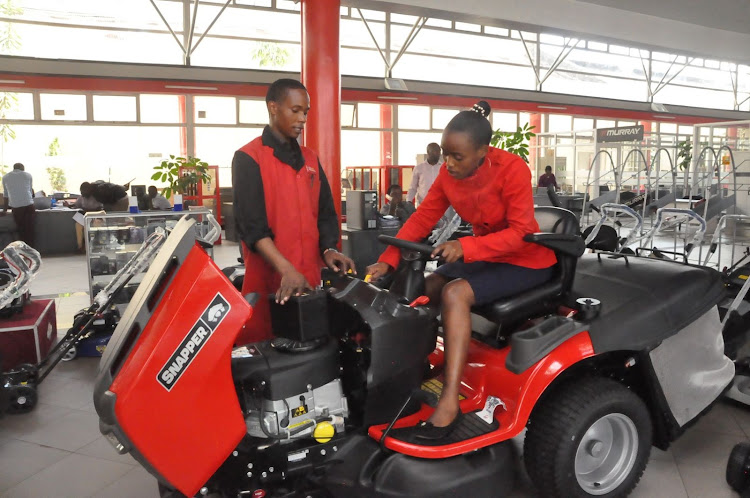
(482, 107)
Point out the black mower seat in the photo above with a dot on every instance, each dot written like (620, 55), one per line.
(559, 232)
(643, 300)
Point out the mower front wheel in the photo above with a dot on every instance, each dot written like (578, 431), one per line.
(23, 399)
(738, 467)
(589, 438)
(70, 354)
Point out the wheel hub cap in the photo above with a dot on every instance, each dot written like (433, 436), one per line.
(606, 454)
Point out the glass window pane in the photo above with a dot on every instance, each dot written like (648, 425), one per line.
(438, 23)
(441, 117)
(668, 128)
(347, 115)
(412, 117)
(625, 123)
(492, 30)
(687, 130)
(360, 148)
(253, 112)
(216, 146)
(353, 33)
(114, 108)
(583, 124)
(465, 26)
(559, 123)
(403, 19)
(605, 123)
(466, 72)
(368, 116)
(215, 110)
(88, 153)
(412, 146)
(14, 105)
(359, 62)
(160, 109)
(63, 107)
(504, 121)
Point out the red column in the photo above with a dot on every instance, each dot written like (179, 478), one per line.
(386, 150)
(321, 76)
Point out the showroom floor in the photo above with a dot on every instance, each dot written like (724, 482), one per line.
(57, 450)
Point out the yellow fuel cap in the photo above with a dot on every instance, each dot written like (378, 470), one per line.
(323, 432)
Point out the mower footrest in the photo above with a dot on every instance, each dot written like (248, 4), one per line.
(470, 427)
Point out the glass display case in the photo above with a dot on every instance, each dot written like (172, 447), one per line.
(113, 238)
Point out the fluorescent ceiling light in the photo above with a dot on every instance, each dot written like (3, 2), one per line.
(661, 116)
(559, 108)
(186, 87)
(13, 82)
(388, 97)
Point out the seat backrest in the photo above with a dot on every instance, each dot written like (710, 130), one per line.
(561, 221)
(556, 220)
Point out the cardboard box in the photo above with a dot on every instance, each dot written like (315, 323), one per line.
(26, 337)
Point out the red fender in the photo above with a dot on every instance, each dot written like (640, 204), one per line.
(485, 374)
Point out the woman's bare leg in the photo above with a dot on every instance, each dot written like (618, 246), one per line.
(457, 299)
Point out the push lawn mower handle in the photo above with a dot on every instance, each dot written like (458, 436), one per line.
(424, 249)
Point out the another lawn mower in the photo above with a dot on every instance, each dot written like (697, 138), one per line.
(598, 364)
(21, 383)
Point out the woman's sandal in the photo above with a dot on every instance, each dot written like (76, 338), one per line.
(427, 431)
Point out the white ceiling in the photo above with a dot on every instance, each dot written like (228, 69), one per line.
(717, 29)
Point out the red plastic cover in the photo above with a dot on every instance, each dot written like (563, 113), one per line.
(176, 400)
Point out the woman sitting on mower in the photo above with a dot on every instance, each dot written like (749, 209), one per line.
(491, 189)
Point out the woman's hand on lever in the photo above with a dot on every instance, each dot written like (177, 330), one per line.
(376, 271)
(293, 283)
(450, 251)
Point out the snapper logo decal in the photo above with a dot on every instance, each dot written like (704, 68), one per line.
(193, 342)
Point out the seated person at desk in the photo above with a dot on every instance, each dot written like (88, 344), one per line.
(395, 205)
(547, 179)
(158, 201)
(113, 197)
(489, 188)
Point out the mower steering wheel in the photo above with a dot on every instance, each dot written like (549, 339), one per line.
(424, 249)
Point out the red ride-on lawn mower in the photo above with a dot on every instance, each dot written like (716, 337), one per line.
(612, 356)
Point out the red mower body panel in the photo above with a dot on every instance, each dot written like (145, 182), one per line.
(180, 369)
(485, 375)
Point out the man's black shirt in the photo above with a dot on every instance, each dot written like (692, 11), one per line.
(249, 199)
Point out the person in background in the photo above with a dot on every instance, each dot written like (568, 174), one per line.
(158, 201)
(19, 196)
(424, 175)
(547, 179)
(284, 248)
(85, 203)
(113, 197)
(395, 205)
(489, 188)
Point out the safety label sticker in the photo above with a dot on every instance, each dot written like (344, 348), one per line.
(193, 342)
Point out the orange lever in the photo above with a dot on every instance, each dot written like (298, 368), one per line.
(420, 301)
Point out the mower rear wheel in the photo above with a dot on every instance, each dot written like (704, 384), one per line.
(738, 467)
(23, 399)
(591, 437)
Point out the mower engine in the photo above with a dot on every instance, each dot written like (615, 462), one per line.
(290, 386)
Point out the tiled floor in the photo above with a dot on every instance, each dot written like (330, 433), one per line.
(57, 450)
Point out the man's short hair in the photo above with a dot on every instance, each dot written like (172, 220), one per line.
(393, 187)
(18, 166)
(279, 88)
(548, 168)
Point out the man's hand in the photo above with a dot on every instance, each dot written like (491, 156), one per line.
(293, 283)
(378, 270)
(450, 251)
(338, 262)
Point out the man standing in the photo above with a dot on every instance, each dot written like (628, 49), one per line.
(19, 196)
(158, 201)
(547, 179)
(424, 175)
(284, 209)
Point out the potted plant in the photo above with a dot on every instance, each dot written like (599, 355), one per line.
(193, 171)
(516, 142)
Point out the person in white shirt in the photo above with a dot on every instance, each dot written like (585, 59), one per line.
(424, 175)
(19, 196)
(158, 201)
